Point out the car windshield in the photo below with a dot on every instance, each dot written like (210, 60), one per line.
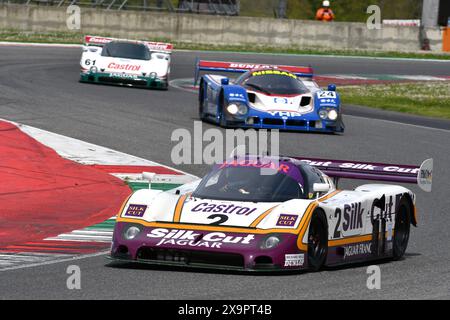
(126, 50)
(246, 181)
(275, 82)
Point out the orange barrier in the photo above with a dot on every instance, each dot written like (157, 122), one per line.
(446, 40)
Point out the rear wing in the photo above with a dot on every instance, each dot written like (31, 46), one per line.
(239, 67)
(153, 46)
(421, 175)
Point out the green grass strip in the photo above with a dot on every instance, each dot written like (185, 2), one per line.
(430, 99)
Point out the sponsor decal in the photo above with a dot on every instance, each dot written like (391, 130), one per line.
(326, 94)
(361, 166)
(250, 66)
(294, 260)
(327, 101)
(122, 75)
(282, 100)
(197, 239)
(223, 208)
(159, 46)
(257, 164)
(426, 178)
(281, 167)
(282, 114)
(357, 249)
(349, 219)
(275, 72)
(287, 220)
(98, 40)
(237, 95)
(124, 67)
(135, 210)
(386, 212)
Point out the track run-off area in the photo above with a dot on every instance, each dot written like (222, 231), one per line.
(39, 88)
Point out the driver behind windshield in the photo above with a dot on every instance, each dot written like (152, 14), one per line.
(274, 82)
(247, 183)
(126, 50)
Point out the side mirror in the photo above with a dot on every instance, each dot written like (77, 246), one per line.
(225, 81)
(321, 187)
(331, 87)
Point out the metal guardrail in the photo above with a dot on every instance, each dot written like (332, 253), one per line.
(216, 7)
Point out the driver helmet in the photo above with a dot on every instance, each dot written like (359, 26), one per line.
(326, 3)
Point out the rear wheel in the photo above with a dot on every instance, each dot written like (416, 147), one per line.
(401, 228)
(317, 241)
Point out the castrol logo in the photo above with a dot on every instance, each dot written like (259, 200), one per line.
(124, 67)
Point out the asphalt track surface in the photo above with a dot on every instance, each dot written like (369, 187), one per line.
(39, 87)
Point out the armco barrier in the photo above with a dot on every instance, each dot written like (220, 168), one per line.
(206, 29)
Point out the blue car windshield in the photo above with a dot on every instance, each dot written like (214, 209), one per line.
(274, 82)
(126, 50)
(249, 183)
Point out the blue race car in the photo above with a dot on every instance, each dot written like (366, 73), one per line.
(267, 97)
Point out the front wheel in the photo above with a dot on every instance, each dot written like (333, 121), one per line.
(201, 102)
(317, 241)
(401, 228)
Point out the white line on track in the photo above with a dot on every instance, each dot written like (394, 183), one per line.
(34, 44)
(69, 148)
(401, 123)
(73, 258)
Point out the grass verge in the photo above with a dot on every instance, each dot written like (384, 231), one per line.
(77, 38)
(425, 99)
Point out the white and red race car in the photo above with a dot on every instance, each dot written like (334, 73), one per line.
(126, 62)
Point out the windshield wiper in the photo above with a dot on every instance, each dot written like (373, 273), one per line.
(255, 86)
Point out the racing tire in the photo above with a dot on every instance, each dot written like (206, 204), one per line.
(222, 120)
(317, 241)
(201, 102)
(166, 83)
(402, 228)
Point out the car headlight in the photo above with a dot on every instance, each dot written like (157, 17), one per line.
(233, 108)
(131, 233)
(93, 69)
(270, 242)
(323, 114)
(153, 75)
(243, 109)
(332, 114)
(237, 109)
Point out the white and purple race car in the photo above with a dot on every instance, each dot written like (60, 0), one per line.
(261, 213)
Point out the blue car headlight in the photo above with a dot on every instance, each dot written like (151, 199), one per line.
(323, 114)
(328, 113)
(332, 114)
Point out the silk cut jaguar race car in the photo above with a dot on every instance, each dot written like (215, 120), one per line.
(273, 213)
(126, 62)
(267, 96)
